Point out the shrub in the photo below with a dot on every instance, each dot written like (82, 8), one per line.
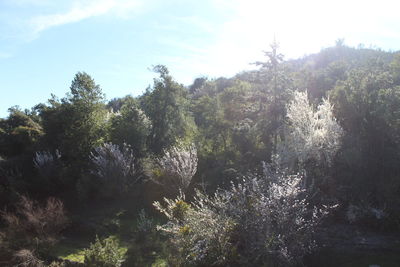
(312, 138)
(27, 258)
(115, 167)
(49, 167)
(144, 225)
(45, 162)
(104, 253)
(175, 170)
(262, 220)
(33, 225)
(146, 243)
(310, 134)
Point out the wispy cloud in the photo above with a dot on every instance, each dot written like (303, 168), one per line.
(81, 10)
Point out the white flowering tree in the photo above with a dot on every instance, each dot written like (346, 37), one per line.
(115, 167)
(311, 134)
(175, 170)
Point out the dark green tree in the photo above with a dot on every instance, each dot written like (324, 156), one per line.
(274, 84)
(77, 123)
(18, 133)
(131, 125)
(367, 105)
(167, 107)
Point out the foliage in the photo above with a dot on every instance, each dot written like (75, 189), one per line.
(26, 258)
(226, 114)
(166, 106)
(115, 168)
(145, 224)
(18, 133)
(44, 160)
(342, 127)
(311, 135)
(34, 226)
(260, 220)
(76, 124)
(366, 104)
(274, 82)
(175, 170)
(104, 253)
(131, 126)
(147, 243)
(49, 168)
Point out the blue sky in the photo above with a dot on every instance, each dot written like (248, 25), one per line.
(43, 43)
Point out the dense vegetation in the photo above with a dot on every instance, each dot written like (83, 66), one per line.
(241, 171)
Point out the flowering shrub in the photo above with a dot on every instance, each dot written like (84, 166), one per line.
(44, 161)
(311, 134)
(115, 167)
(175, 170)
(50, 169)
(262, 220)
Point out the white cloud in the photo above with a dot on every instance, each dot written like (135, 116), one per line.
(81, 10)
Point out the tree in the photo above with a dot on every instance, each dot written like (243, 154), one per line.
(131, 126)
(18, 133)
(76, 124)
(367, 104)
(167, 107)
(274, 81)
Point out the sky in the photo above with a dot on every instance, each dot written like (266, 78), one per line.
(44, 43)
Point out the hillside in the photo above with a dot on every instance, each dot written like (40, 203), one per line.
(256, 169)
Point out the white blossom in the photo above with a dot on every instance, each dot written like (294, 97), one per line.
(177, 167)
(115, 166)
(311, 134)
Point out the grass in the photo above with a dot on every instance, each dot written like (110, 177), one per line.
(160, 263)
(102, 220)
(109, 218)
(73, 250)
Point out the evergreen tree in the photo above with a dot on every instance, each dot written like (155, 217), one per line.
(167, 107)
(76, 124)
